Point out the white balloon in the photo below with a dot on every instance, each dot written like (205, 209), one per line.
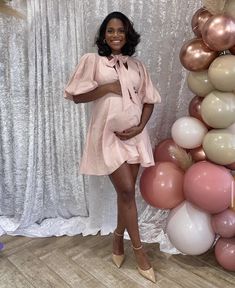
(189, 229)
(188, 132)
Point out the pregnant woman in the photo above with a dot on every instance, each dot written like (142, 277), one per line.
(117, 141)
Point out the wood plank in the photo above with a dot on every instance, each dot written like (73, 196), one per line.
(220, 278)
(72, 273)
(35, 272)
(10, 276)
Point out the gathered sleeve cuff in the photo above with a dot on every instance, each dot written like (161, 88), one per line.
(148, 93)
(82, 80)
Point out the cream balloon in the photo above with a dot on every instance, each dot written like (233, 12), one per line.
(189, 229)
(218, 109)
(199, 83)
(219, 146)
(188, 132)
(229, 8)
(222, 73)
(231, 128)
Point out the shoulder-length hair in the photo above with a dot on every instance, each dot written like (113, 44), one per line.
(132, 37)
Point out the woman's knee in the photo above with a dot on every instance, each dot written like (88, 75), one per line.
(127, 194)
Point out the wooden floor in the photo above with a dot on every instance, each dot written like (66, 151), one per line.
(85, 262)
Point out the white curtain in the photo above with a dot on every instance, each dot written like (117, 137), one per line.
(42, 135)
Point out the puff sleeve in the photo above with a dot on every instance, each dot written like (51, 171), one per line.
(82, 80)
(148, 93)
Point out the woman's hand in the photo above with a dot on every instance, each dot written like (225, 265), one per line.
(115, 87)
(129, 133)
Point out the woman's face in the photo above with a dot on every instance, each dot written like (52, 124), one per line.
(115, 35)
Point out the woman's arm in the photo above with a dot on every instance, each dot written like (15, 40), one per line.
(133, 131)
(146, 114)
(98, 92)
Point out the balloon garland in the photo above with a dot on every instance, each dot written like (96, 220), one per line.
(193, 173)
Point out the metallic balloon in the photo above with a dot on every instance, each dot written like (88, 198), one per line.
(199, 83)
(222, 73)
(232, 50)
(195, 107)
(198, 21)
(196, 56)
(198, 154)
(218, 32)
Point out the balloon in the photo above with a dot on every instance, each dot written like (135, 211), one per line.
(218, 109)
(198, 154)
(222, 73)
(225, 253)
(162, 185)
(231, 166)
(218, 32)
(208, 186)
(224, 223)
(231, 128)
(232, 50)
(199, 83)
(195, 107)
(219, 146)
(162, 154)
(229, 8)
(198, 20)
(196, 56)
(188, 132)
(189, 229)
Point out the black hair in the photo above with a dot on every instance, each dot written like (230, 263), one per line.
(132, 37)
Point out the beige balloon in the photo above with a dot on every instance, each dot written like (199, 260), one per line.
(229, 8)
(218, 109)
(222, 73)
(219, 146)
(199, 83)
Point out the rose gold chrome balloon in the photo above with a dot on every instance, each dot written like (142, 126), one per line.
(218, 32)
(232, 50)
(198, 21)
(194, 108)
(196, 56)
(198, 154)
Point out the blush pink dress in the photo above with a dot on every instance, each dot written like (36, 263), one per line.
(104, 152)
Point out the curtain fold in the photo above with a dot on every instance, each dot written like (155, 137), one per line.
(42, 135)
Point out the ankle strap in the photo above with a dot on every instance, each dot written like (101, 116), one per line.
(115, 232)
(137, 248)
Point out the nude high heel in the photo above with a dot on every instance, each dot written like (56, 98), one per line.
(118, 259)
(149, 273)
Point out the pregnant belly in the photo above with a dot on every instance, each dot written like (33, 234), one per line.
(120, 118)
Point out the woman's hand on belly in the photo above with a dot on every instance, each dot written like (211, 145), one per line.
(115, 87)
(129, 133)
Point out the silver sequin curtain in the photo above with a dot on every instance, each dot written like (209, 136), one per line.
(42, 135)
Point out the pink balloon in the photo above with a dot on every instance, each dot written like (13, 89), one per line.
(196, 56)
(208, 186)
(162, 185)
(218, 32)
(161, 152)
(225, 253)
(224, 223)
(198, 21)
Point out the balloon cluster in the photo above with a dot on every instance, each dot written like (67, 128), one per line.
(201, 196)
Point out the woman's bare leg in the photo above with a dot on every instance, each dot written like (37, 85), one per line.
(118, 247)
(123, 180)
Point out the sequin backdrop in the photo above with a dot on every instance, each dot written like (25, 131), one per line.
(42, 135)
